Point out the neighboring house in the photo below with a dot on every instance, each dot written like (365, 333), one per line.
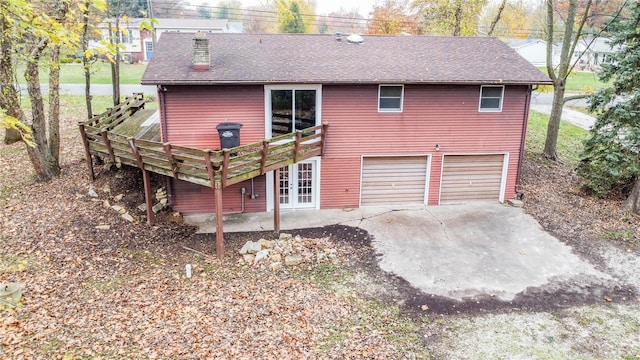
(591, 53)
(534, 50)
(138, 44)
(412, 120)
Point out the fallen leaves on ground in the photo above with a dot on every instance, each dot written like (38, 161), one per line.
(98, 286)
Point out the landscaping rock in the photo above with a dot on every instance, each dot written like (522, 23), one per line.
(261, 255)
(92, 193)
(266, 244)
(293, 260)
(142, 207)
(248, 258)
(276, 266)
(515, 203)
(157, 207)
(119, 209)
(250, 247)
(106, 204)
(128, 217)
(103, 227)
(275, 256)
(285, 237)
(106, 189)
(118, 197)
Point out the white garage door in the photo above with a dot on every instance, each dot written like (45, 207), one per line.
(471, 178)
(395, 180)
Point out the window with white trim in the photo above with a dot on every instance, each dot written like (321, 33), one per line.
(390, 98)
(491, 98)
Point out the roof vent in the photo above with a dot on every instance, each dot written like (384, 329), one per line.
(201, 58)
(338, 36)
(355, 39)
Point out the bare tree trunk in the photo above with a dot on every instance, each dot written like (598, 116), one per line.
(632, 204)
(8, 96)
(570, 40)
(557, 105)
(45, 165)
(54, 103)
(458, 18)
(115, 65)
(86, 64)
(492, 27)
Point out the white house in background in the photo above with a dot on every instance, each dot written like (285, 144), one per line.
(591, 53)
(138, 45)
(534, 50)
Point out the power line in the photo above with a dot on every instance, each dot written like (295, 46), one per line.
(271, 17)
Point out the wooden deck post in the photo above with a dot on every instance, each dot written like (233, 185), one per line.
(147, 196)
(107, 143)
(217, 191)
(276, 200)
(145, 181)
(87, 153)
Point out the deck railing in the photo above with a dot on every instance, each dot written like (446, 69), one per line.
(213, 168)
(199, 166)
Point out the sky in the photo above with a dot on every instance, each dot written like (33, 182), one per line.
(323, 7)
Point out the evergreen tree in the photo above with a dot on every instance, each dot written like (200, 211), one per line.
(611, 159)
(294, 22)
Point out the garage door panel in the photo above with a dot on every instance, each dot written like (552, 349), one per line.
(393, 180)
(471, 178)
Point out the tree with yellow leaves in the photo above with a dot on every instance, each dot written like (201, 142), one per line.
(449, 17)
(34, 32)
(391, 17)
(295, 16)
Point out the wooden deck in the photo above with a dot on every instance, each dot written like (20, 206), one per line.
(129, 134)
(143, 124)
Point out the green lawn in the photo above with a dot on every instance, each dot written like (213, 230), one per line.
(74, 73)
(581, 81)
(570, 138)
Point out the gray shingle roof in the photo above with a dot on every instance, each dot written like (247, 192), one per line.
(289, 58)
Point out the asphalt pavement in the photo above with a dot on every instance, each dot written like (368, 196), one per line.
(541, 102)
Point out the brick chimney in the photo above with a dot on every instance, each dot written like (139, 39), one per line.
(201, 60)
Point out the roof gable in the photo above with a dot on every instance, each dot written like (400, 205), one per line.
(289, 58)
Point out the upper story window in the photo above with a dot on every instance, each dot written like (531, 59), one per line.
(491, 98)
(390, 98)
(123, 36)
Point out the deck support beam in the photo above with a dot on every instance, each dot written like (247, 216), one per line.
(217, 192)
(145, 180)
(276, 200)
(87, 152)
(147, 196)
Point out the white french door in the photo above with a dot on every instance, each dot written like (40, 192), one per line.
(298, 185)
(289, 108)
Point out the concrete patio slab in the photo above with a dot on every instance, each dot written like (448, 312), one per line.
(456, 251)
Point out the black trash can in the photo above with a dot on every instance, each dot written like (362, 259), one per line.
(229, 135)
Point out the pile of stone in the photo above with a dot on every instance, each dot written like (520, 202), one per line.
(287, 251)
(160, 201)
(107, 205)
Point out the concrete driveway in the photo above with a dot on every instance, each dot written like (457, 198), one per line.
(456, 251)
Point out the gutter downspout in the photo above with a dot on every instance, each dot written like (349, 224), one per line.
(523, 139)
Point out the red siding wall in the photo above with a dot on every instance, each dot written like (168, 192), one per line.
(191, 198)
(191, 114)
(445, 115)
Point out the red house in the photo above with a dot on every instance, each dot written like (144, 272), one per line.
(412, 119)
